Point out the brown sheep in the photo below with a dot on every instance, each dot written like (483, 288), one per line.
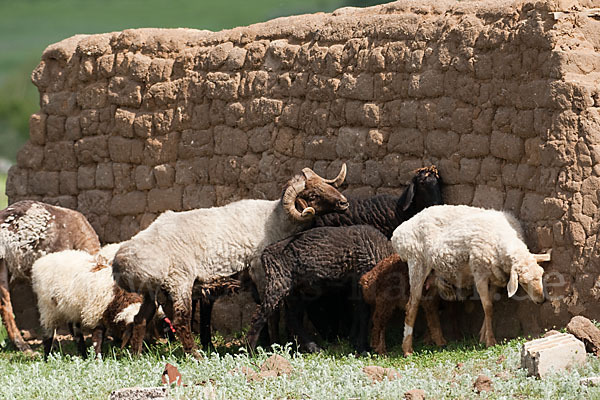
(385, 288)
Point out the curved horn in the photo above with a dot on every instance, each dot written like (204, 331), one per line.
(289, 201)
(338, 180)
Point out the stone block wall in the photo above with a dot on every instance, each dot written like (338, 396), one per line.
(502, 96)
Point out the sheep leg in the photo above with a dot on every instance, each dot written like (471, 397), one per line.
(431, 306)
(77, 334)
(274, 327)
(294, 315)
(206, 306)
(381, 316)
(97, 337)
(147, 310)
(416, 279)
(263, 312)
(6, 311)
(48, 344)
(181, 304)
(487, 333)
(362, 316)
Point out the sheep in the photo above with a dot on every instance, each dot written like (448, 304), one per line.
(310, 260)
(385, 288)
(466, 246)
(77, 288)
(29, 230)
(163, 261)
(384, 212)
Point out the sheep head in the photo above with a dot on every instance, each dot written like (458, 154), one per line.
(313, 195)
(528, 274)
(426, 186)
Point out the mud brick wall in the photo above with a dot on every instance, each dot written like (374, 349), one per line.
(503, 97)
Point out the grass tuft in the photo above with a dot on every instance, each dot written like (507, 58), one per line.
(3, 198)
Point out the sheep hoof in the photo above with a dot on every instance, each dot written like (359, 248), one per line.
(407, 349)
(312, 347)
(23, 346)
(197, 355)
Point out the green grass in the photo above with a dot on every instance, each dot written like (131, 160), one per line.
(442, 374)
(3, 198)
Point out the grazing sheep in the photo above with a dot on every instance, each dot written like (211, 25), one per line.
(75, 287)
(466, 246)
(311, 260)
(386, 288)
(179, 248)
(29, 230)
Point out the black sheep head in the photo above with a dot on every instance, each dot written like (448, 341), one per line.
(424, 190)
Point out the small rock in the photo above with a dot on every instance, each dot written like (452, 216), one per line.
(278, 364)
(550, 333)
(483, 384)
(377, 373)
(590, 381)
(268, 374)
(504, 375)
(154, 393)
(171, 375)
(587, 332)
(415, 394)
(251, 375)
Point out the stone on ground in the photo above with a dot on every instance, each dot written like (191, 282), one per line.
(377, 373)
(587, 332)
(136, 393)
(552, 354)
(277, 364)
(415, 394)
(483, 383)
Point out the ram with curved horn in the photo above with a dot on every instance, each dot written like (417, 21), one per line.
(179, 248)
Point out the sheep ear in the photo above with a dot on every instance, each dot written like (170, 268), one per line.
(513, 283)
(409, 194)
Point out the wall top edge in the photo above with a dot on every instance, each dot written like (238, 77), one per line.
(341, 24)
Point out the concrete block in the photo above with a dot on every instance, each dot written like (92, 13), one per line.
(552, 354)
(137, 393)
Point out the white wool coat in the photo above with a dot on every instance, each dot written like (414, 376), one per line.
(73, 286)
(204, 244)
(460, 242)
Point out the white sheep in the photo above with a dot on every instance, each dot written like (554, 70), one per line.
(464, 246)
(29, 230)
(180, 248)
(77, 288)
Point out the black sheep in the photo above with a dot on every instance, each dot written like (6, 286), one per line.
(387, 212)
(314, 259)
(330, 314)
